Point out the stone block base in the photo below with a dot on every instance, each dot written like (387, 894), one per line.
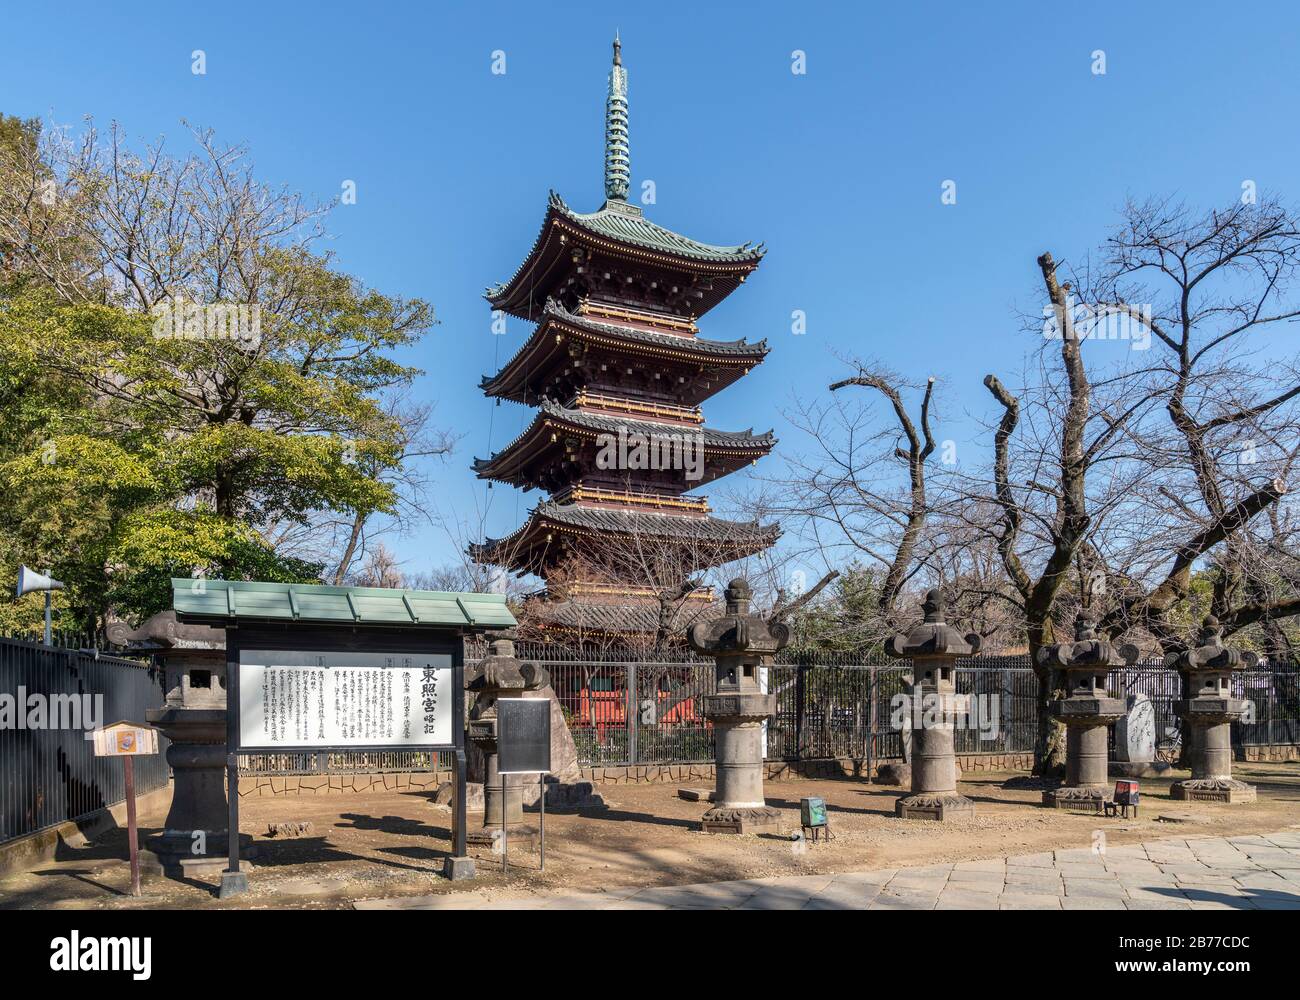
(1276, 752)
(894, 774)
(749, 819)
(572, 795)
(359, 783)
(1085, 799)
(446, 796)
(1212, 790)
(232, 884)
(458, 869)
(524, 837)
(173, 853)
(939, 807)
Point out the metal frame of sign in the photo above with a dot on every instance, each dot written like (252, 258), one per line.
(299, 637)
(500, 703)
(541, 783)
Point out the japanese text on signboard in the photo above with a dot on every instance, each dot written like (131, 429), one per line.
(319, 699)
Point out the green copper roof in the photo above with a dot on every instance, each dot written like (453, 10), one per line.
(626, 224)
(224, 600)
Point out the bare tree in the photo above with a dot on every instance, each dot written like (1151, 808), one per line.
(862, 492)
(1206, 287)
(99, 222)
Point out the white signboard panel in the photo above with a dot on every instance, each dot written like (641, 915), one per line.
(342, 699)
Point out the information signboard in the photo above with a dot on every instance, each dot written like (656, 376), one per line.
(337, 699)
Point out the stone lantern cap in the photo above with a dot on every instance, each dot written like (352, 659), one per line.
(933, 638)
(501, 670)
(1210, 653)
(163, 633)
(1085, 663)
(739, 631)
(1087, 652)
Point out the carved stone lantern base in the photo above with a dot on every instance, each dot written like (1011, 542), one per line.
(939, 807)
(732, 819)
(1084, 798)
(1212, 790)
(174, 851)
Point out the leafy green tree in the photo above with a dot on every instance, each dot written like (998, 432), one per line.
(199, 377)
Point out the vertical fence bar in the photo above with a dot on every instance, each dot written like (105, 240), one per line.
(633, 715)
(800, 708)
(49, 774)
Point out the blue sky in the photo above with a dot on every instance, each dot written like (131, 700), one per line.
(838, 170)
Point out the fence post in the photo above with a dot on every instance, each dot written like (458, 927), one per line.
(871, 721)
(800, 693)
(632, 716)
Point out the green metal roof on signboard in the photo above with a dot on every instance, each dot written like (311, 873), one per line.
(213, 600)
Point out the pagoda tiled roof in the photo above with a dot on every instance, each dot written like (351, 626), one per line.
(628, 224)
(550, 413)
(598, 617)
(621, 227)
(743, 536)
(600, 423)
(616, 336)
(652, 524)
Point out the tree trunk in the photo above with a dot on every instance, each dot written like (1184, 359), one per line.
(1049, 747)
(1049, 743)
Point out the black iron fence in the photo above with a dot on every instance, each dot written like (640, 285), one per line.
(622, 710)
(627, 711)
(49, 699)
(652, 712)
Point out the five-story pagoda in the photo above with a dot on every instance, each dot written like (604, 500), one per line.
(617, 369)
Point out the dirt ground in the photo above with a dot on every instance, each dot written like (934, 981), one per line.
(393, 845)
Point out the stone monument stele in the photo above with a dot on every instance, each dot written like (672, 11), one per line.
(934, 646)
(1208, 710)
(1085, 711)
(1135, 731)
(742, 644)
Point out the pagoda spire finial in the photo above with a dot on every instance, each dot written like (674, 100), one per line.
(618, 160)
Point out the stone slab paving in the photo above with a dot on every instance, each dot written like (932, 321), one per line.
(1202, 873)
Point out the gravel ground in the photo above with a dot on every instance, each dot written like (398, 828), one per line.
(374, 846)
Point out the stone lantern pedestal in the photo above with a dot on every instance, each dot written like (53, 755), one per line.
(1085, 711)
(500, 675)
(193, 719)
(1208, 710)
(934, 707)
(742, 644)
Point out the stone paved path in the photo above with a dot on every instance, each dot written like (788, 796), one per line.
(1202, 873)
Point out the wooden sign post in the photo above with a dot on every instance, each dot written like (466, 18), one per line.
(127, 740)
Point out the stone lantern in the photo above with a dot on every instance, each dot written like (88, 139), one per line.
(741, 644)
(1086, 711)
(1208, 709)
(500, 675)
(193, 719)
(933, 647)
